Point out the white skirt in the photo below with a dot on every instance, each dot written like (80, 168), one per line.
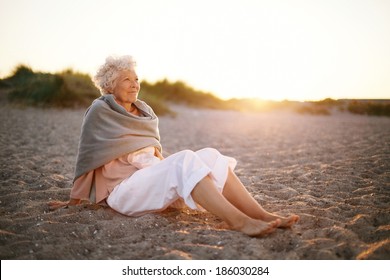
(156, 187)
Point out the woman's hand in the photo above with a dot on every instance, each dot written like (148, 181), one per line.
(158, 154)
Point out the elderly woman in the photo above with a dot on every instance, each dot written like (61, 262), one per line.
(120, 162)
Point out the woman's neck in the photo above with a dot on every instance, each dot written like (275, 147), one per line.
(131, 108)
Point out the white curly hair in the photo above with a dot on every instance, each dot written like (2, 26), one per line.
(109, 71)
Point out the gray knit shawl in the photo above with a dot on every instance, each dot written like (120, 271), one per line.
(109, 131)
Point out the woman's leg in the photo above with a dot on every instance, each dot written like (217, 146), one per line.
(234, 190)
(236, 193)
(207, 195)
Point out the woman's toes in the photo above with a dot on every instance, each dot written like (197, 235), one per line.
(289, 221)
(276, 223)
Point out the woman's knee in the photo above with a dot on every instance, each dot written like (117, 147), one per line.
(209, 156)
(185, 153)
(186, 156)
(208, 152)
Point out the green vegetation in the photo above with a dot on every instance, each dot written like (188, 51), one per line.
(159, 106)
(313, 109)
(180, 93)
(65, 89)
(370, 108)
(69, 89)
(361, 107)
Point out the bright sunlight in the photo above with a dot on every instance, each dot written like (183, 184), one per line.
(275, 50)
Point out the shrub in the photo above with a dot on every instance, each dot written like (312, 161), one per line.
(72, 89)
(66, 89)
(39, 89)
(77, 90)
(313, 109)
(179, 92)
(21, 74)
(369, 108)
(158, 105)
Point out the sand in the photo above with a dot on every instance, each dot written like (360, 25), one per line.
(333, 171)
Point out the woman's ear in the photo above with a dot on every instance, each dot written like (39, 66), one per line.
(110, 89)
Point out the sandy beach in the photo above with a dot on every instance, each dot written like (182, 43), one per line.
(333, 171)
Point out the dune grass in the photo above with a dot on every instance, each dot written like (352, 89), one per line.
(64, 89)
(70, 89)
(180, 93)
(370, 108)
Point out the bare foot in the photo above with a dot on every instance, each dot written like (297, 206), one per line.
(285, 222)
(222, 225)
(258, 228)
(289, 221)
(56, 204)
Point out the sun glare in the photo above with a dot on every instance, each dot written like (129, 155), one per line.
(274, 50)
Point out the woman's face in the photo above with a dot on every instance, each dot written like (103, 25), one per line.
(126, 87)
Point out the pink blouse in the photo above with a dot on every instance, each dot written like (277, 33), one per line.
(97, 184)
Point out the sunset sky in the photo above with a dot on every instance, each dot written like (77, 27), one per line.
(280, 49)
